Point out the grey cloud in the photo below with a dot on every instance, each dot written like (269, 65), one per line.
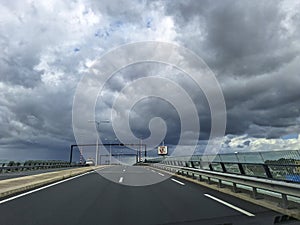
(252, 47)
(237, 37)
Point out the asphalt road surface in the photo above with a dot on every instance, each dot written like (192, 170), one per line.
(93, 199)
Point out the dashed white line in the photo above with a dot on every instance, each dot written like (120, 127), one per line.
(161, 174)
(124, 170)
(153, 171)
(121, 180)
(230, 205)
(177, 181)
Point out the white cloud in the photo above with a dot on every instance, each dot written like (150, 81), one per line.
(245, 143)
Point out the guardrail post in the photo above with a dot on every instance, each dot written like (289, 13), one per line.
(220, 185)
(254, 193)
(284, 201)
(208, 180)
(234, 188)
(200, 178)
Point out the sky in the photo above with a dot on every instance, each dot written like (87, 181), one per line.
(47, 47)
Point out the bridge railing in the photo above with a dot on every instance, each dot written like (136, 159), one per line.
(276, 172)
(285, 189)
(18, 167)
(275, 165)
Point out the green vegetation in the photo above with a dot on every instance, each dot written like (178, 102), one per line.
(282, 161)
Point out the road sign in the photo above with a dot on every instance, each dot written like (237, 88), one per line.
(162, 150)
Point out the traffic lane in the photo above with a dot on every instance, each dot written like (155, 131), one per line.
(194, 187)
(131, 175)
(215, 215)
(94, 199)
(134, 197)
(167, 200)
(61, 204)
(262, 214)
(210, 211)
(190, 209)
(114, 204)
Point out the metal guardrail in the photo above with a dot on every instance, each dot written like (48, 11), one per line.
(273, 171)
(281, 187)
(6, 169)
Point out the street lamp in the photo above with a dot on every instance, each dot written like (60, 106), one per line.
(110, 149)
(97, 141)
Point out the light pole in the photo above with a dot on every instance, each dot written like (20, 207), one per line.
(142, 147)
(140, 151)
(97, 141)
(97, 151)
(110, 142)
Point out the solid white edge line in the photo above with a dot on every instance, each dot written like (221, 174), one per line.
(230, 205)
(177, 181)
(121, 180)
(161, 174)
(44, 187)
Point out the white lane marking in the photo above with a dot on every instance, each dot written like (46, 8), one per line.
(124, 170)
(44, 187)
(153, 171)
(161, 174)
(177, 181)
(121, 180)
(229, 205)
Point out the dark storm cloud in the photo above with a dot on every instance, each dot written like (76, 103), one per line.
(239, 37)
(46, 47)
(16, 62)
(253, 48)
(149, 108)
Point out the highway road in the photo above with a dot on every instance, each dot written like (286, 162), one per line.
(94, 199)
